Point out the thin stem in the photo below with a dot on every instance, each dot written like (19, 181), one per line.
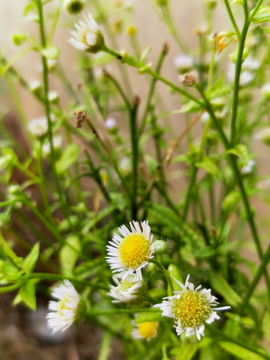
(237, 80)
(229, 11)
(161, 58)
(96, 312)
(135, 155)
(119, 89)
(239, 181)
(254, 11)
(264, 262)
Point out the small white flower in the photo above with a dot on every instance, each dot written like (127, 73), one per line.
(131, 252)
(183, 62)
(145, 330)
(205, 117)
(127, 290)
(53, 96)
(191, 308)
(62, 314)
(263, 135)
(87, 36)
(125, 165)
(38, 126)
(250, 64)
(34, 85)
(248, 169)
(110, 123)
(266, 90)
(57, 143)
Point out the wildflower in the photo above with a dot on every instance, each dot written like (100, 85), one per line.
(145, 330)
(183, 62)
(110, 123)
(53, 96)
(65, 312)
(263, 135)
(131, 252)
(35, 86)
(224, 39)
(87, 36)
(125, 166)
(57, 143)
(248, 169)
(250, 64)
(127, 290)
(205, 117)
(38, 126)
(73, 7)
(160, 247)
(191, 309)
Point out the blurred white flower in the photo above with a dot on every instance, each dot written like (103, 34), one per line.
(245, 77)
(38, 126)
(250, 64)
(183, 62)
(248, 169)
(127, 290)
(87, 36)
(62, 313)
(110, 123)
(57, 144)
(263, 135)
(266, 90)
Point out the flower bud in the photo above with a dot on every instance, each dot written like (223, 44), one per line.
(73, 7)
(160, 247)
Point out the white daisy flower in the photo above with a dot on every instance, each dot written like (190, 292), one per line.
(35, 85)
(191, 308)
(127, 290)
(131, 252)
(63, 313)
(145, 330)
(38, 126)
(183, 62)
(263, 135)
(110, 123)
(87, 36)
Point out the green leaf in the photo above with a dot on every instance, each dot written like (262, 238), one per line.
(51, 52)
(239, 351)
(262, 15)
(189, 107)
(220, 284)
(32, 257)
(28, 294)
(148, 316)
(151, 163)
(175, 274)
(31, 13)
(68, 158)
(208, 165)
(145, 52)
(230, 201)
(187, 350)
(266, 325)
(69, 251)
(9, 271)
(267, 30)
(241, 151)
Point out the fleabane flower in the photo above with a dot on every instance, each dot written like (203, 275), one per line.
(38, 126)
(67, 310)
(145, 330)
(191, 308)
(87, 36)
(131, 252)
(127, 290)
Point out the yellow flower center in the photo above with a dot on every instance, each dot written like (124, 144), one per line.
(82, 34)
(134, 250)
(63, 305)
(148, 329)
(192, 309)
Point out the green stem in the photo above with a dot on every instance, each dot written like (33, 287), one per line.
(260, 271)
(161, 58)
(229, 11)
(237, 80)
(239, 181)
(135, 155)
(254, 11)
(96, 312)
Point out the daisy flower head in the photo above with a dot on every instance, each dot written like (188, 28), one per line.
(127, 290)
(145, 330)
(132, 251)
(67, 310)
(191, 308)
(38, 126)
(87, 36)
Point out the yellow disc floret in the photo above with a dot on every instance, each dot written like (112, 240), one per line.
(148, 329)
(192, 309)
(134, 250)
(63, 304)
